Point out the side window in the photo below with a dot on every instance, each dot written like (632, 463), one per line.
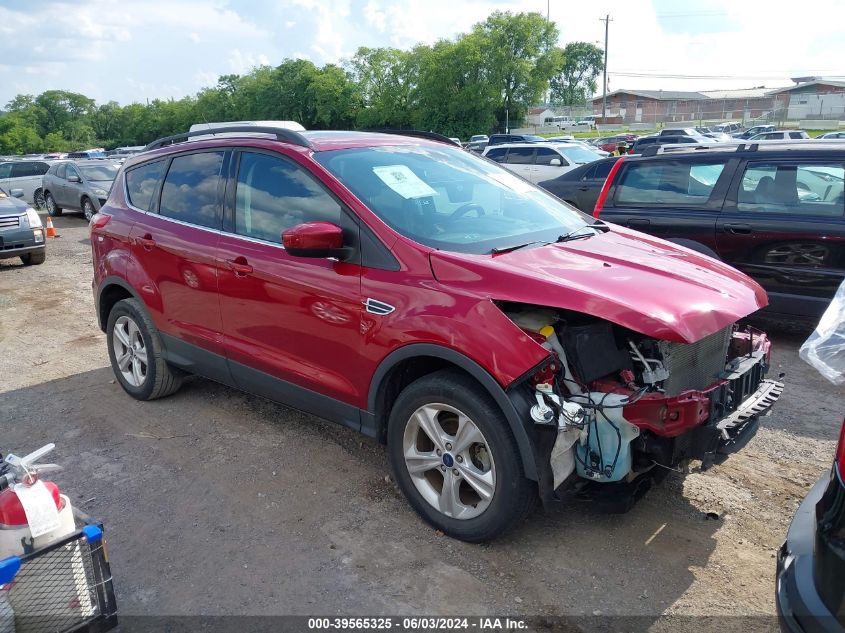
(590, 173)
(668, 183)
(71, 170)
(142, 181)
(61, 171)
(274, 194)
(797, 135)
(812, 189)
(603, 170)
(22, 170)
(497, 154)
(189, 193)
(520, 156)
(545, 156)
(6, 170)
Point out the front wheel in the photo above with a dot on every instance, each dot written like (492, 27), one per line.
(455, 458)
(52, 208)
(38, 199)
(33, 259)
(88, 209)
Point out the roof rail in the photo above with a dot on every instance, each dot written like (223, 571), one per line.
(432, 136)
(281, 134)
(740, 146)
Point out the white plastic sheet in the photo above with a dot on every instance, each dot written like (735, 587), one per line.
(825, 349)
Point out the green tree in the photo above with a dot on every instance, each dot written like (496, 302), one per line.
(334, 97)
(576, 81)
(60, 107)
(387, 78)
(520, 57)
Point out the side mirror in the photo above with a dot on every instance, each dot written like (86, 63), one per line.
(315, 239)
(16, 193)
(555, 162)
(74, 178)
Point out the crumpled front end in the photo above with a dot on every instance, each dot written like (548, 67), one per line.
(617, 407)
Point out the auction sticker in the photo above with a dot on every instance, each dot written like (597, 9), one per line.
(39, 507)
(403, 181)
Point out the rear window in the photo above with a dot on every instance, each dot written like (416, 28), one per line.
(27, 169)
(668, 183)
(141, 183)
(813, 189)
(189, 193)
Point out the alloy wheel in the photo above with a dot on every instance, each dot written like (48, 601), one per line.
(88, 209)
(449, 461)
(130, 352)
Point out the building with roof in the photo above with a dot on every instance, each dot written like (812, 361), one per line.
(812, 98)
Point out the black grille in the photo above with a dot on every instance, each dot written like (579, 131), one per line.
(695, 365)
(60, 588)
(7, 221)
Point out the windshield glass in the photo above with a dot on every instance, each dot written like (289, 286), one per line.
(98, 172)
(576, 154)
(449, 199)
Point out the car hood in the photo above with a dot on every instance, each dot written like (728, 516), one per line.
(639, 282)
(12, 206)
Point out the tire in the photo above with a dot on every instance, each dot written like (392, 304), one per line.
(38, 199)
(50, 203)
(146, 377)
(493, 458)
(33, 259)
(88, 209)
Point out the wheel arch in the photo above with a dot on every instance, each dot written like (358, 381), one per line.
(693, 245)
(410, 362)
(112, 289)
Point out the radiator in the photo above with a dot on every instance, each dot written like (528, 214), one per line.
(695, 365)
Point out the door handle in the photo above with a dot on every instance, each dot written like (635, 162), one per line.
(239, 265)
(737, 229)
(584, 188)
(147, 242)
(638, 222)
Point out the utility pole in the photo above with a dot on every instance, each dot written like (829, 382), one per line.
(607, 22)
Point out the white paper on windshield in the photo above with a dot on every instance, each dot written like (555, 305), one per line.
(511, 182)
(403, 181)
(39, 507)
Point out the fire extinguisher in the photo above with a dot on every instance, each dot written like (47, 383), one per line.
(33, 512)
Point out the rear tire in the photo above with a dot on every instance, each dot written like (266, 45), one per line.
(50, 203)
(478, 454)
(33, 259)
(38, 199)
(136, 353)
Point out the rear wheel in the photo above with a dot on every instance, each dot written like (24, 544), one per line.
(33, 259)
(50, 203)
(38, 199)
(135, 352)
(455, 458)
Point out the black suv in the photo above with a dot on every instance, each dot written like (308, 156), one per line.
(773, 210)
(498, 139)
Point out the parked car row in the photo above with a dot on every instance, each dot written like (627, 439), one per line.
(59, 185)
(774, 211)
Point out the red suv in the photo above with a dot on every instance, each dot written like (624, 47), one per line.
(502, 344)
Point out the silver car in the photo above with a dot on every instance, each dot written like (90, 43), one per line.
(81, 185)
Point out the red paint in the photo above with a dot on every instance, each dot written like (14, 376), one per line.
(840, 452)
(318, 236)
(606, 187)
(11, 510)
(303, 320)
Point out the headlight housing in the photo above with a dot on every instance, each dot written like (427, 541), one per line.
(33, 218)
(100, 193)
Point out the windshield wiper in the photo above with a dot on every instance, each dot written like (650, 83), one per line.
(508, 249)
(577, 235)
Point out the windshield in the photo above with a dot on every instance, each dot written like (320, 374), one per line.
(449, 199)
(98, 172)
(576, 154)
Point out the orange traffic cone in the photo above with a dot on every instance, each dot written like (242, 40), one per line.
(51, 232)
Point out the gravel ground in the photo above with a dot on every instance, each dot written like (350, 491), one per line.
(217, 502)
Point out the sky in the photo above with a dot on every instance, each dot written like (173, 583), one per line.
(134, 50)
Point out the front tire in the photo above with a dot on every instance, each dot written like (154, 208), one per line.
(38, 200)
(135, 352)
(88, 209)
(33, 259)
(50, 203)
(455, 458)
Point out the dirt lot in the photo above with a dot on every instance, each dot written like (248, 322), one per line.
(216, 502)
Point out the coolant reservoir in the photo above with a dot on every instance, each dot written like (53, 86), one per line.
(610, 437)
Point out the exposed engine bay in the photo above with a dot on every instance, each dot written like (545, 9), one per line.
(614, 407)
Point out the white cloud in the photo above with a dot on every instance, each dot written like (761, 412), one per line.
(241, 62)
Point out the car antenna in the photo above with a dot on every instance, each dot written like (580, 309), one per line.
(204, 120)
